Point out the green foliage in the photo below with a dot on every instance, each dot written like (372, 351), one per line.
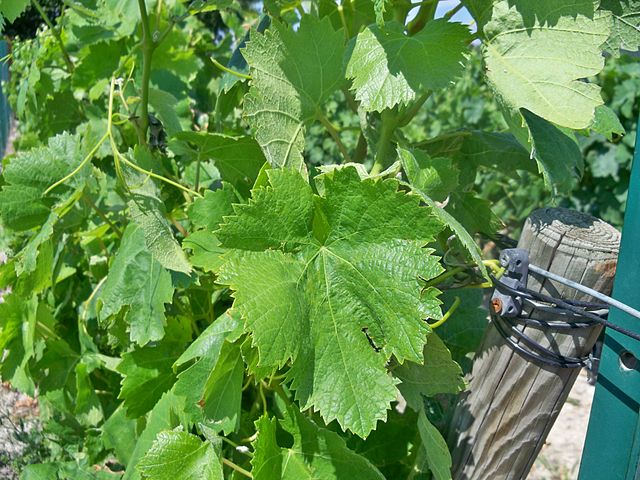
(227, 229)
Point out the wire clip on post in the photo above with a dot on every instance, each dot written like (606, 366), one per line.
(511, 296)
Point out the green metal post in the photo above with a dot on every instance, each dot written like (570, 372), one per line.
(612, 446)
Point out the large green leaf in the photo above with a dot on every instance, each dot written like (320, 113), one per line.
(330, 284)
(177, 455)
(389, 67)
(146, 212)
(536, 54)
(293, 73)
(625, 32)
(316, 453)
(138, 283)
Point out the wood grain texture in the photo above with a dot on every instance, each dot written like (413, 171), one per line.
(502, 421)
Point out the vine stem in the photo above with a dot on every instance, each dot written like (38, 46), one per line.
(383, 147)
(148, 46)
(56, 34)
(237, 468)
(426, 13)
(335, 135)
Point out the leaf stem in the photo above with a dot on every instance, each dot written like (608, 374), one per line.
(237, 468)
(453, 11)
(229, 70)
(237, 447)
(335, 135)
(56, 34)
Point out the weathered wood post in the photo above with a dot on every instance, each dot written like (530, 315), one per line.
(501, 423)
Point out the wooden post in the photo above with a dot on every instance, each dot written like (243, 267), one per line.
(502, 421)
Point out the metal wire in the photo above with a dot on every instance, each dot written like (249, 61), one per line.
(578, 314)
(581, 288)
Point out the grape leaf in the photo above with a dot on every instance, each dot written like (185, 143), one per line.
(147, 373)
(322, 280)
(536, 55)
(31, 172)
(500, 151)
(164, 105)
(146, 212)
(480, 10)
(201, 6)
(87, 408)
(238, 159)
(39, 471)
(557, 153)
(438, 374)
(474, 213)
(138, 283)
(434, 448)
(390, 68)
(293, 73)
(606, 123)
(12, 9)
(625, 32)
(176, 454)
(211, 386)
(315, 453)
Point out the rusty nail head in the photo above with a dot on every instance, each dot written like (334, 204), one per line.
(496, 303)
